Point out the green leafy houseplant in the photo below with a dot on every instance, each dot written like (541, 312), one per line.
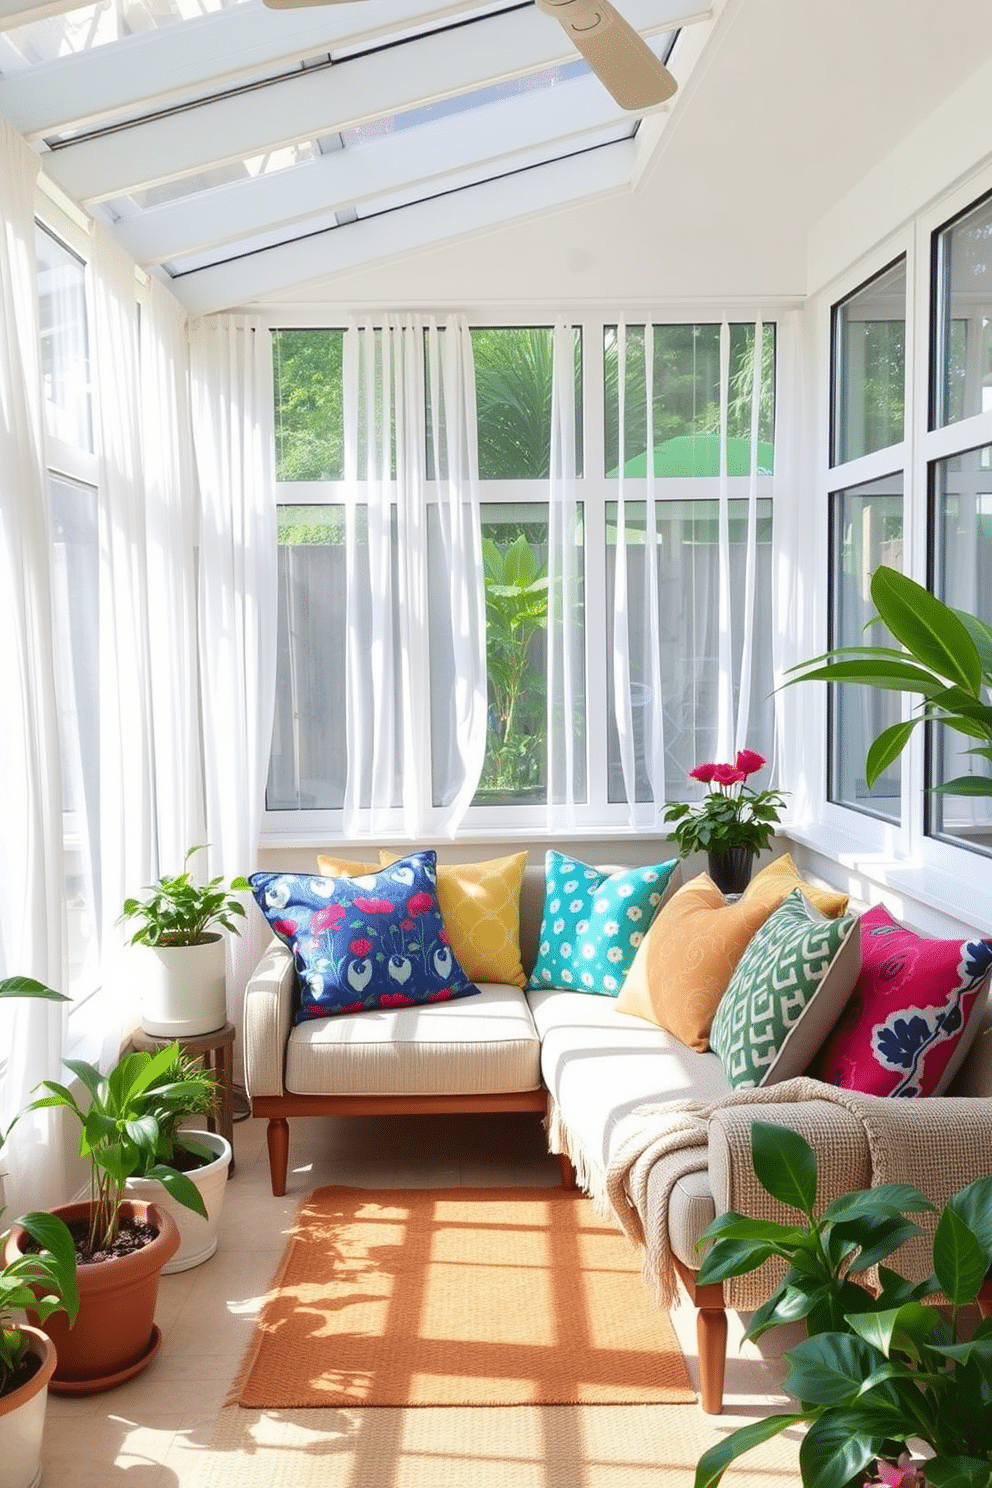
(947, 661)
(44, 1282)
(877, 1370)
(731, 814)
(125, 1123)
(176, 911)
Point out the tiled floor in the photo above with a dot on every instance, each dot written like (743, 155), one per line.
(152, 1432)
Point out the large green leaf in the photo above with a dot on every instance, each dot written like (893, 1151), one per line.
(887, 748)
(974, 1205)
(959, 1258)
(830, 1368)
(22, 986)
(887, 1198)
(929, 629)
(716, 1459)
(784, 1164)
(959, 1472)
(892, 675)
(907, 1329)
(182, 1189)
(966, 785)
(830, 1456)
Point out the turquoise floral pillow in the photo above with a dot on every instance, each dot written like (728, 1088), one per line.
(377, 941)
(593, 923)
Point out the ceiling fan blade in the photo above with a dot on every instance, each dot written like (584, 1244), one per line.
(617, 54)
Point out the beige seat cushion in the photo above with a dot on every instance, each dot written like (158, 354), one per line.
(599, 1064)
(476, 1046)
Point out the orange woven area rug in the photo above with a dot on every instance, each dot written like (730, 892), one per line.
(459, 1297)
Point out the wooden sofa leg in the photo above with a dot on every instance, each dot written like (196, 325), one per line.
(567, 1171)
(711, 1336)
(277, 1137)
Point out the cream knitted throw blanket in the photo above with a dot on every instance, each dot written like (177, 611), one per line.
(677, 1131)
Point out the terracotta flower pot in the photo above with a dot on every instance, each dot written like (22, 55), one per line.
(22, 1417)
(114, 1335)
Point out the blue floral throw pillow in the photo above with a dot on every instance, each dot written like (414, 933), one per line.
(377, 941)
(593, 923)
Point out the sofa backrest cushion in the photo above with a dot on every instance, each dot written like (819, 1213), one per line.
(367, 942)
(914, 1012)
(789, 988)
(593, 922)
(687, 957)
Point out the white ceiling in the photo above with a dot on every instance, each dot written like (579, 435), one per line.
(251, 155)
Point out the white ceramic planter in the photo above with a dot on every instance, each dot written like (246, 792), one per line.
(22, 1419)
(197, 1236)
(183, 989)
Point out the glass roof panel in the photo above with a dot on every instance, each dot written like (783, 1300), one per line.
(94, 26)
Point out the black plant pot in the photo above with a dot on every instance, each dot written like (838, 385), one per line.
(731, 869)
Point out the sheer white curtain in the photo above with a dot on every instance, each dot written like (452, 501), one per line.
(31, 871)
(683, 623)
(415, 676)
(565, 640)
(232, 410)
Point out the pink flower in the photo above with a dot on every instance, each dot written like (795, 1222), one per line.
(903, 1475)
(289, 928)
(374, 906)
(395, 999)
(704, 772)
(421, 904)
(314, 1010)
(354, 1007)
(727, 775)
(407, 925)
(442, 995)
(328, 918)
(361, 948)
(749, 761)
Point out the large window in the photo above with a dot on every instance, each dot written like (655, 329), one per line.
(516, 388)
(962, 577)
(869, 366)
(866, 530)
(962, 317)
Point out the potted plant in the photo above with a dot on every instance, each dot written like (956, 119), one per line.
(204, 1157)
(121, 1243)
(181, 965)
(878, 1369)
(45, 1282)
(947, 661)
(731, 824)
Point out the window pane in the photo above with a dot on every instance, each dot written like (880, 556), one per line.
(686, 392)
(688, 626)
(869, 371)
(308, 761)
(962, 541)
(75, 569)
(309, 414)
(866, 530)
(64, 343)
(962, 370)
(515, 554)
(513, 381)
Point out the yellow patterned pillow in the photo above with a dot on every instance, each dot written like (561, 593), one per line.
(687, 957)
(345, 867)
(775, 883)
(480, 906)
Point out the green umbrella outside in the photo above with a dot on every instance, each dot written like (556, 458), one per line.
(699, 454)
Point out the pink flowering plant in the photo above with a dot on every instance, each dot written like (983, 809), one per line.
(731, 814)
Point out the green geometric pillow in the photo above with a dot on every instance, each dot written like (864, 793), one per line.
(787, 992)
(593, 923)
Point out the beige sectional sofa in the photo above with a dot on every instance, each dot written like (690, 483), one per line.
(611, 1086)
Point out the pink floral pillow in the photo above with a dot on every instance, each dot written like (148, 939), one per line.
(912, 1016)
